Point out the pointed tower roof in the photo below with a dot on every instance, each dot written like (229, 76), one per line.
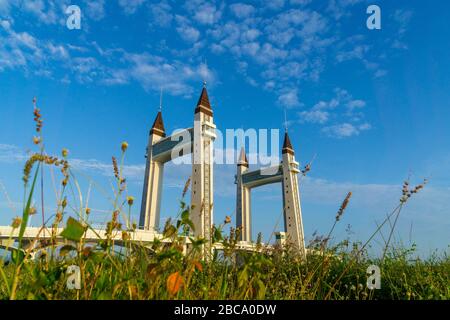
(287, 146)
(243, 158)
(158, 126)
(203, 104)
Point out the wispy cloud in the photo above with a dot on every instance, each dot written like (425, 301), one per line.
(345, 130)
(242, 10)
(130, 6)
(289, 98)
(342, 107)
(161, 14)
(10, 153)
(95, 9)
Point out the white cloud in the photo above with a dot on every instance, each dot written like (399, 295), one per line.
(57, 51)
(289, 99)
(186, 31)
(161, 14)
(339, 8)
(380, 73)
(340, 106)
(204, 12)
(403, 18)
(47, 12)
(274, 4)
(95, 9)
(154, 72)
(355, 104)
(358, 52)
(10, 153)
(314, 116)
(130, 6)
(242, 10)
(5, 6)
(345, 130)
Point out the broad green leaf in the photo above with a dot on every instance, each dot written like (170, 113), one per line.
(261, 289)
(74, 230)
(17, 256)
(185, 215)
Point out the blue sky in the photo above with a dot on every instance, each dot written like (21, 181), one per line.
(370, 106)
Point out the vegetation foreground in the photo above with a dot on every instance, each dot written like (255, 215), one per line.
(128, 270)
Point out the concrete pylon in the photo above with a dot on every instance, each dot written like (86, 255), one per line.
(243, 200)
(202, 183)
(291, 198)
(151, 195)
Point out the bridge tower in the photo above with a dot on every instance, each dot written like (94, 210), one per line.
(285, 172)
(151, 195)
(198, 141)
(291, 198)
(202, 191)
(243, 201)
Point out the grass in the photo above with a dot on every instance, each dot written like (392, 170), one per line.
(162, 271)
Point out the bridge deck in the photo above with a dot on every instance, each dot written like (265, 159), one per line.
(139, 236)
(260, 177)
(162, 150)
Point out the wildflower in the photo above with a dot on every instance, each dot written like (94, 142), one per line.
(65, 153)
(174, 283)
(124, 146)
(186, 187)
(32, 211)
(115, 167)
(343, 206)
(64, 203)
(16, 222)
(198, 266)
(37, 117)
(87, 251)
(58, 217)
(306, 169)
(125, 236)
(130, 200)
(88, 211)
(36, 140)
(123, 185)
(407, 192)
(227, 220)
(29, 166)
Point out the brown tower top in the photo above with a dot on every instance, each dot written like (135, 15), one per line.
(158, 126)
(287, 146)
(243, 159)
(203, 104)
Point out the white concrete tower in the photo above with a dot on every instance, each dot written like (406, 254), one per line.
(202, 191)
(243, 202)
(151, 195)
(291, 198)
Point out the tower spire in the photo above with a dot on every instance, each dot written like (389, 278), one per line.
(243, 158)
(158, 126)
(287, 146)
(203, 104)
